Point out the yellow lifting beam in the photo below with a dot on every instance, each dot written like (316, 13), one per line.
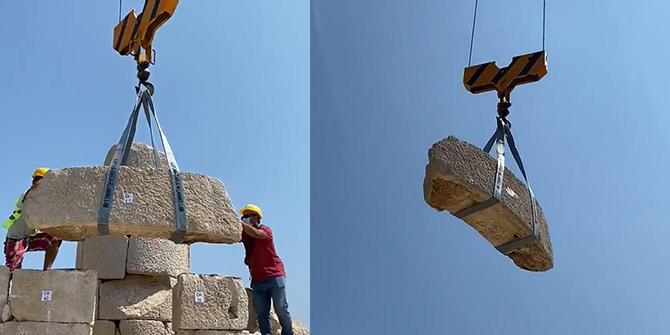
(523, 69)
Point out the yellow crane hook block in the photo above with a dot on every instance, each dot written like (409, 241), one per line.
(523, 69)
(136, 31)
(460, 176)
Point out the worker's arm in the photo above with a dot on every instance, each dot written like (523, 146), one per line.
(254, 232)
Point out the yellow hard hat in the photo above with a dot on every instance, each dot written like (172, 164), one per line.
(40, 172)
(252, 208)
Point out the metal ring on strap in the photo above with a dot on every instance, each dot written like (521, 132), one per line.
(503, 131)
(121, 155)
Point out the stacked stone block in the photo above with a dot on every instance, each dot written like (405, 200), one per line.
(54, 302)
(144, 284)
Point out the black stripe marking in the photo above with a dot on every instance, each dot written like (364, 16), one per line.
(123, 31)
(477, 74)
(531, 62)
(153, 12)
(137, 26)
(504, 70)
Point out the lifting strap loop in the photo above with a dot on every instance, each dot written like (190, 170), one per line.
(120, 157)
(503, 131)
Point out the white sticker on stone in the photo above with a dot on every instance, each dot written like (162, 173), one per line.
(46, 295)
(127, 198)
(510, 191)
(199, 297)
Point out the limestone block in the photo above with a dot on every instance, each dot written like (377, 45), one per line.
(459, 175)
(6, 313)
(104, 254)
(54, 295)
(157, 257)
(66, 205)
(104, 327)
(137, 297)
(4, 294)
(224, 304)
(140, 156)
(143, 327)
(44, 328)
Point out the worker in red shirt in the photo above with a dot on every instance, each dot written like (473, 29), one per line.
(267, 271)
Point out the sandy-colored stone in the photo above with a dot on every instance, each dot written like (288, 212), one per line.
(140, 155)
(142, 327)
(6, 313)
(137, 297)
(104, 327)
(225, 305)
(104, 254)
(4, 294)
(73, 215)
(157, 257)
(73, 295)
(460, 175)
(44, 328)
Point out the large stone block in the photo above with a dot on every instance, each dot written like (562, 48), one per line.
(460, 175)
(104, 327)
(143, 327)
(209, 302)
(157, 257)
(140, 156)
(137, 297)
(44, 328)
(54, 295)
(73, 214)
(4, 294)
(104, 254)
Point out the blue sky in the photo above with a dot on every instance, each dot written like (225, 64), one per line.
(387, 84)
(232, 95)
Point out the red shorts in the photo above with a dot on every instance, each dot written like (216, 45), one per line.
(15, 250)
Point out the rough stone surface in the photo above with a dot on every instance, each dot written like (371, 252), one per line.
(73, 215)
(225, 305)
(137, 297)
(7, 313)
(104, 327)
(73, 295)
(157, 257)
(459, 175)
(104, 254)
(143, 327)
(4, 294)
(140, 156)
(44, 328)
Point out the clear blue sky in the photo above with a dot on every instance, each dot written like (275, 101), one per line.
(387, 84)
(232, 94)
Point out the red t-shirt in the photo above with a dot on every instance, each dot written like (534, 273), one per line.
(264, 263)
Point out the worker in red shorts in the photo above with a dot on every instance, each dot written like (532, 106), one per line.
(21, 239)
(267, 271)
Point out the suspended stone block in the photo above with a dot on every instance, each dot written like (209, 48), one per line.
(66, 205)
(139, 156)
(459, 175)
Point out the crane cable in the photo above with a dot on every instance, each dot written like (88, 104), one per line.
(120, 6)
(474, 22)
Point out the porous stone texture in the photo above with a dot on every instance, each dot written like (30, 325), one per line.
(137, 297)
(459, 175)
(225, 305)
(140, 156)
(157, 257)
(73, 295)
(143, 327)
(4, 294)
(104, 327)
(252, 325)
(105, 254)
(73, 215)
(44, 328)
